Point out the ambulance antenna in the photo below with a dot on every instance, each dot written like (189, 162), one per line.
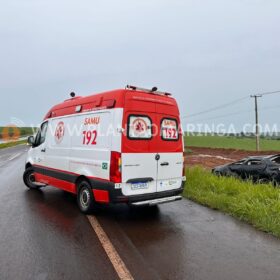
(72, 94)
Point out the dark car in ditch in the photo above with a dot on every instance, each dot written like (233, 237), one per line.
(262, 169)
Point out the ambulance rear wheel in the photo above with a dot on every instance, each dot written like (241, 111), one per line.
(29, 179)
(85, 198)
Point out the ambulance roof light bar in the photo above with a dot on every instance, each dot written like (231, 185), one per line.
(154, 90)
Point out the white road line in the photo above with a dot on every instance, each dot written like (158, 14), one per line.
(110, 250)
(14, 156)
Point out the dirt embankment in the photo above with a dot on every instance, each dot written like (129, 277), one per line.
(210, 158)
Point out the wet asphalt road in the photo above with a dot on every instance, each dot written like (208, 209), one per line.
(44, 236)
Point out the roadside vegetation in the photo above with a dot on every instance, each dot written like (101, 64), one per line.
(231, 142)
(16, 132)
(258, 205)
(12, 144)
(13, 136)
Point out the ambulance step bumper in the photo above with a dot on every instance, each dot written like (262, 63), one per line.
(38, 184)
(157, 201)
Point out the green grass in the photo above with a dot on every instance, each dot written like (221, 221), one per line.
(12, 144)
(258, 205)
(231, 142)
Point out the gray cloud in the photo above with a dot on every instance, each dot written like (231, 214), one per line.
(205, 52)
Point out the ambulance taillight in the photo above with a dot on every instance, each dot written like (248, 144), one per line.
(184, 167)
(116, 167)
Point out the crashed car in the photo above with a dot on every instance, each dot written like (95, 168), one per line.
(261, 169)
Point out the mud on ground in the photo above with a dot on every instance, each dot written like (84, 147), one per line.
(209, 157)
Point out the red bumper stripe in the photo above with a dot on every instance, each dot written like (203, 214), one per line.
(101, 196)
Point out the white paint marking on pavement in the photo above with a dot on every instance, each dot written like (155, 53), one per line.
(14, 156)
(110, 250)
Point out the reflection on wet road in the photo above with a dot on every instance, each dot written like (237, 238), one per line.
(43, 236)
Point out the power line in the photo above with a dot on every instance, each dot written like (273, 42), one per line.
(216, 108)
(269, 92)
(222, 106)
(220, 116)
(234, 114)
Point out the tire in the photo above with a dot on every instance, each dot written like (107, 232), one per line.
(263, 181)
(29, 179)
(274, 180)
(231, 174)
(85, 198)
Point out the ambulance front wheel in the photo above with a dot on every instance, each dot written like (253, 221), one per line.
(85, 198)
(29, 179)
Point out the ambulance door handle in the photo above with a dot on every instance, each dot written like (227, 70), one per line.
(43, 150)
(164, 164)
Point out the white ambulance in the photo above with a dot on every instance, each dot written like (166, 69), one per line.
(120, 146)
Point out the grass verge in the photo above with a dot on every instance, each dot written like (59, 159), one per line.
(258, 205)
(231, 142)
(12, 144)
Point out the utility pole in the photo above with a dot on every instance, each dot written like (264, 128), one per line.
(256, 96)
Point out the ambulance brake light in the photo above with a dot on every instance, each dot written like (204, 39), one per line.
(116, 167)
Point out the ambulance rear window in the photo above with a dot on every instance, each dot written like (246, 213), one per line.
(139, 127)
(169, 130)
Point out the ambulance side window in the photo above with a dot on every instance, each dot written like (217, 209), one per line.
(139, 127)
(41, 135)
(169, 129)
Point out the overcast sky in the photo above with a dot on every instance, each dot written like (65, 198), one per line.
(206, 53)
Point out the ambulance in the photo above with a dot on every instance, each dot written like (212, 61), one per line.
(120, 146)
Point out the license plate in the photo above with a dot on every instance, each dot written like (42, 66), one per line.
(139, 186)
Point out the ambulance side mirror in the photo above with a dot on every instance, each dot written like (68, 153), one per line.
(30, 140)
